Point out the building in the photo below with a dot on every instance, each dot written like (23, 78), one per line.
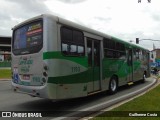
(5, 51)
(155, 58)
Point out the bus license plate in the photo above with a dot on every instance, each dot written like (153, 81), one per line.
(26, 77)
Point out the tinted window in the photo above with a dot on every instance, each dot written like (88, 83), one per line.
(66, 35)
(113, 49)
(78, 37)
(110, 44)
(28, 38)
(72, 42)
(120, 46)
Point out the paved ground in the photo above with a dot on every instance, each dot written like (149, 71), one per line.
(11, 101)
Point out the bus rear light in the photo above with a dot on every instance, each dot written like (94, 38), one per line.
(44, 80)
(45, 74)
(45, 67)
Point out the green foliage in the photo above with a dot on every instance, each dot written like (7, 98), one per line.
(5, 73)
(144, 103)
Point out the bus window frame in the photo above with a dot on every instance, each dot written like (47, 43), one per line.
(72, 43)
(113, 49)
(27, 50)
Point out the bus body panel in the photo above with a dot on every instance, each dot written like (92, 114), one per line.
(50, 35)
(28, 70)
(35, 91)
(69, 80)
(140, 66)
(49, 73)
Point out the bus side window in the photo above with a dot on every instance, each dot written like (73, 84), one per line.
(72, 42)
(66, 34)
(65, 48)
(96, 53)
(140, 55)
(136, 54)
(109, 47)
(114, 49)
(129, 59)
(89, 52)
(81, 50)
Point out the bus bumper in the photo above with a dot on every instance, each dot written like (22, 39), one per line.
(35, 91)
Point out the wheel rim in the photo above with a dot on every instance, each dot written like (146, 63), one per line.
(144, 76)
(113, 85)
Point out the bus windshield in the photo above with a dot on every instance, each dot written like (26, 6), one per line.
(28, 39)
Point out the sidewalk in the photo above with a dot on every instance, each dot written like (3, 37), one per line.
(5, 67)
(5, 79)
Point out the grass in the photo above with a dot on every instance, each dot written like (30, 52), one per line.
(5, 74)
(148, 102)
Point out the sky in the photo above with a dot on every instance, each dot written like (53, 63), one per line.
(124, 19)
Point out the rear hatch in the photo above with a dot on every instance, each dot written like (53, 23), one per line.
(27, 62)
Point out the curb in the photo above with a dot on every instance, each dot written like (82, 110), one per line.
(5, 79)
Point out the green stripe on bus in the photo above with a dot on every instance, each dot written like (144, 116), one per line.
(58, 55)
(83, 77)
(71, 79)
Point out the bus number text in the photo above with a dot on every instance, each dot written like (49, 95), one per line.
(75, 69)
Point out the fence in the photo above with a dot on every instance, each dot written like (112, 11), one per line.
(5, 64)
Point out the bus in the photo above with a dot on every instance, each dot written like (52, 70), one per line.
(55, 58)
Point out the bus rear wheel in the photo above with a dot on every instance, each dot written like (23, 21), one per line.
(113, 85)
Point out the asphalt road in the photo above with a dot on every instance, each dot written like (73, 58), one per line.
(11, 101)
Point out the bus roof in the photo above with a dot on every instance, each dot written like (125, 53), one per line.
(80, 27)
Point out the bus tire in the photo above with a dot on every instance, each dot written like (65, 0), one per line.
(113, 85)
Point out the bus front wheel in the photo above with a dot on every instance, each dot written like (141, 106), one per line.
(113, 85)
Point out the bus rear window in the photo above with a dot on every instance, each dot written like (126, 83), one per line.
(28, 39)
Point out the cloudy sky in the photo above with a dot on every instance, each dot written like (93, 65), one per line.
(125, 19)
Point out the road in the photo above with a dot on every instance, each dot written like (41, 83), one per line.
(11, 101)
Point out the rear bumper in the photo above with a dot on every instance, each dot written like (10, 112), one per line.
(36, 91)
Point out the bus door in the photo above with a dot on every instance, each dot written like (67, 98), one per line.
(93, 50)
(130, 65)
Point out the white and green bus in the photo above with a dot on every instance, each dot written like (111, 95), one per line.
(57, 59)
